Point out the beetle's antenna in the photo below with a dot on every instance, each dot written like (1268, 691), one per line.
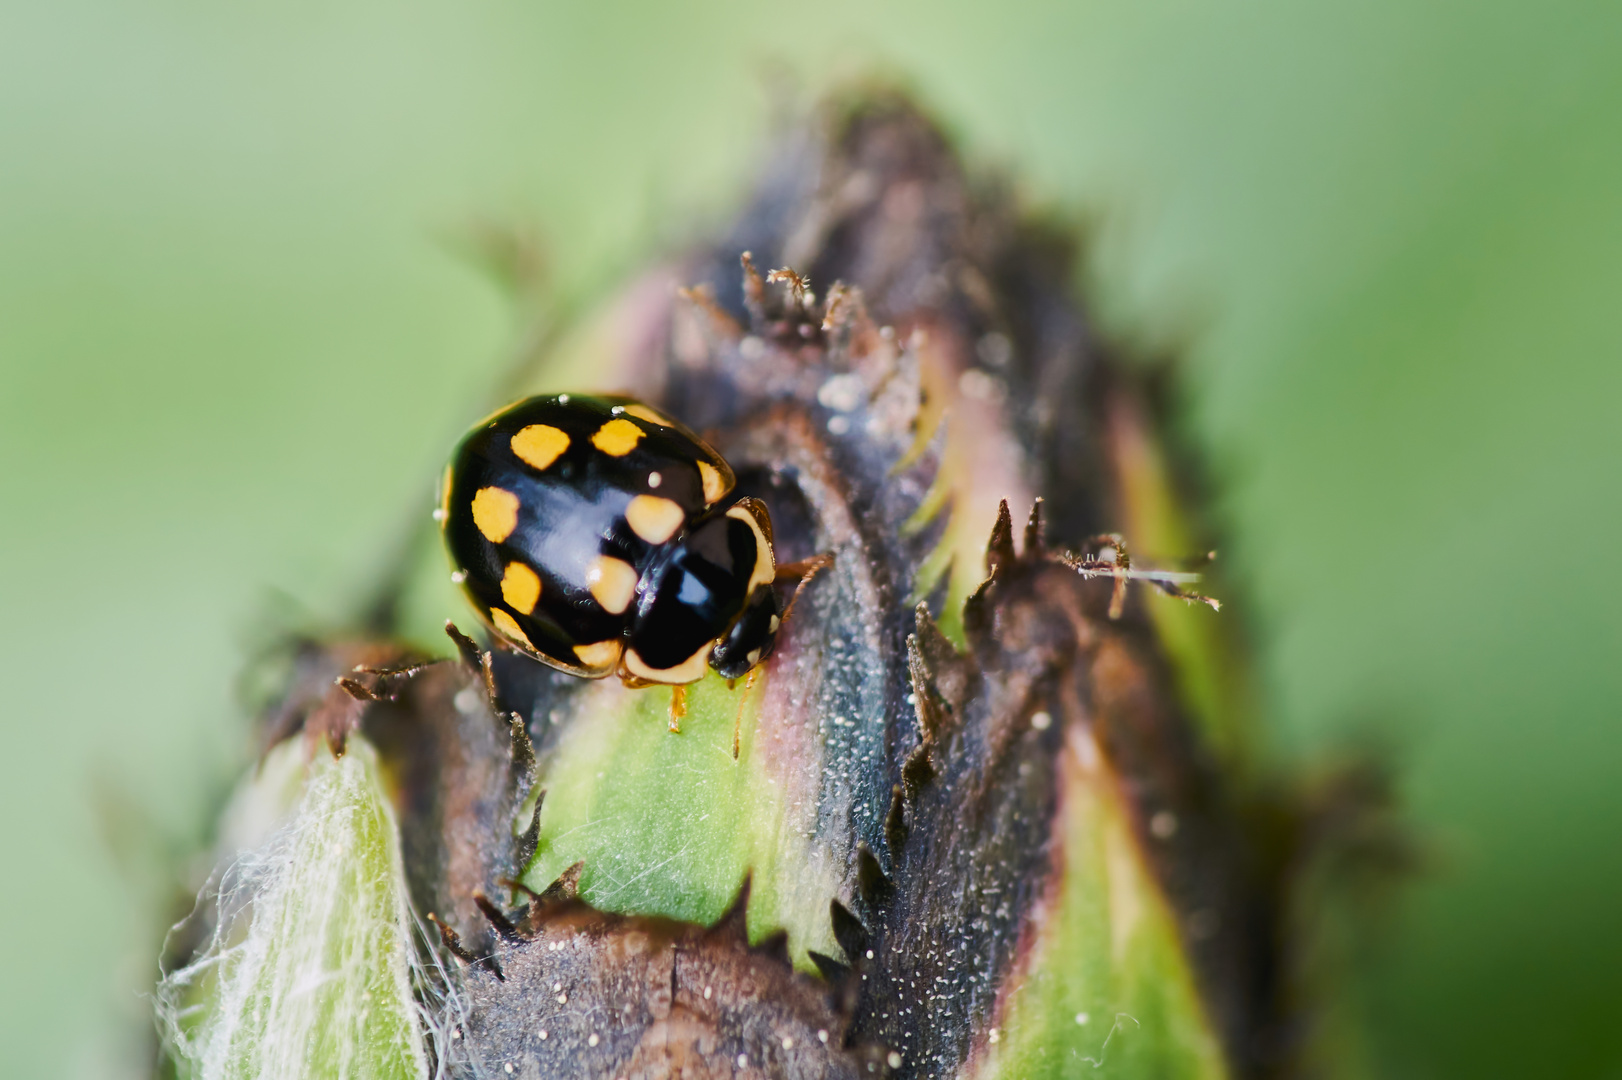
(743, 703)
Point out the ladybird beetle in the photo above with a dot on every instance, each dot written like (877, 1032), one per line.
(595, 535)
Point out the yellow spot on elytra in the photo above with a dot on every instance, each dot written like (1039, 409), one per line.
(617, 437)
(508, 628)
(495, 512)
(642, 412)
(653, 518)
(521, 588)
(538, 445)
(613, 582)
(601, 655)
(715, 484)
(689, 670)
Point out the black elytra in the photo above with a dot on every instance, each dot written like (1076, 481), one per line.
(595, 534)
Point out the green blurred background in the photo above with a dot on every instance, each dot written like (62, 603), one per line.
(237, 331)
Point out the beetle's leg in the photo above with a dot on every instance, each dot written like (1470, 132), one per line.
(678, 708)
(805, 568)
(803, 571)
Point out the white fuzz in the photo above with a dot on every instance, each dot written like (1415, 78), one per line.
(311, 969)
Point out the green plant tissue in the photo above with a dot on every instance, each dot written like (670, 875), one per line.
(309, 968)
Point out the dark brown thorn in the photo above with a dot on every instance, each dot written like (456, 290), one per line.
(564, 890)
(754, 291)
(514, 886)
(529, 917)
(466, 647)
(1000, 547)
(849, 932)
(947, 669)
(918, 679)
(453, 942)
(496, 918)
(844, 989)
(1033, 530)
(917, 772)
(876, 886)
(927, 704)
(773, 945)
(734, 922)
(832, 970)
(359, 690)
(333, 717)
(933, 645)
(978, 612)
(678, 708)
(895, 824)
(523, 750)
(530, 838)
(566, 886)
(487, 668)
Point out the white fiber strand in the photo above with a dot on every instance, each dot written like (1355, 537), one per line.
(311, 968)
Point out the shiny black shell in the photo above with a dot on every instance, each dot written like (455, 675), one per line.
(598, 536)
